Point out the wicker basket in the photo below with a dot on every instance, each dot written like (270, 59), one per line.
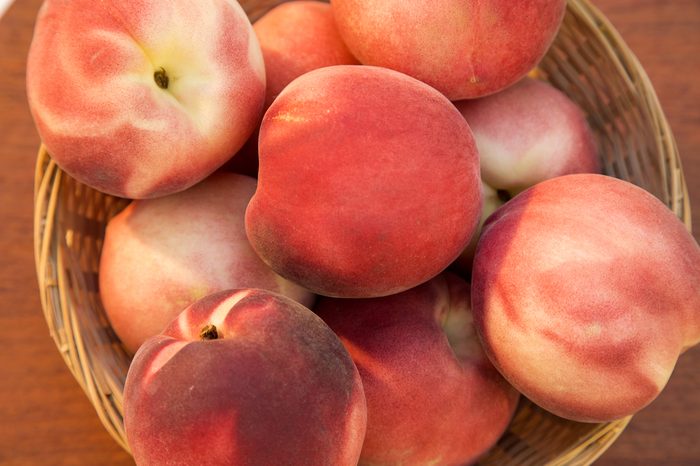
(589, 61)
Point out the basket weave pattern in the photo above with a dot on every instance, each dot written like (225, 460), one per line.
(588, 61)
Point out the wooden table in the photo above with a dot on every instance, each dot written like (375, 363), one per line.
(46, 419)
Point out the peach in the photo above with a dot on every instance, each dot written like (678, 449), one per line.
(525, 134)
(465, 49)
(585, 291)
(298, 37)
(432, 395)
(142, 99)
(368, 183)
(160, 255)
(244, 377)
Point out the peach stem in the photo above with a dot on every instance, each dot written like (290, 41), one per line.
(161, 78)
(208, 332)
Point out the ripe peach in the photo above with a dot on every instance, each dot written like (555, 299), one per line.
(433, 397)
(141, 99)
(465, 49)
(525, 134)
(295, 38)
(160, 255)
(585, 291)
(244, 377)
(528, 133)
(368, 182)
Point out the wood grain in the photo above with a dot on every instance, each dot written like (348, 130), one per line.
(44, 416)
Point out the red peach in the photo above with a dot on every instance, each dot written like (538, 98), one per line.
(298, 37)
(368, 182)
(142, 99)
(465, 49)
(160, 255)
(433, 397)
(529, 133)
(585, 291)
(244, 377)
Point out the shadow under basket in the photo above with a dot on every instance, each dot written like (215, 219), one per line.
(588, 61)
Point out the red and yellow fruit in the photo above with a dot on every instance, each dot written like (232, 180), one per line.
(465, 49)
(142, 99)
(585, 292)
(161, 255)
(433, 397)
(368, 183)
(244, 377)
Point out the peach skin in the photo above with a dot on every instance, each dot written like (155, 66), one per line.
(368, 182)
(585, 290)
(141, 99)
(465, 49)
(161, 255)
(432, 395)
(245, 378)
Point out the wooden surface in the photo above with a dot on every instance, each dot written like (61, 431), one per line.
(46, 420)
